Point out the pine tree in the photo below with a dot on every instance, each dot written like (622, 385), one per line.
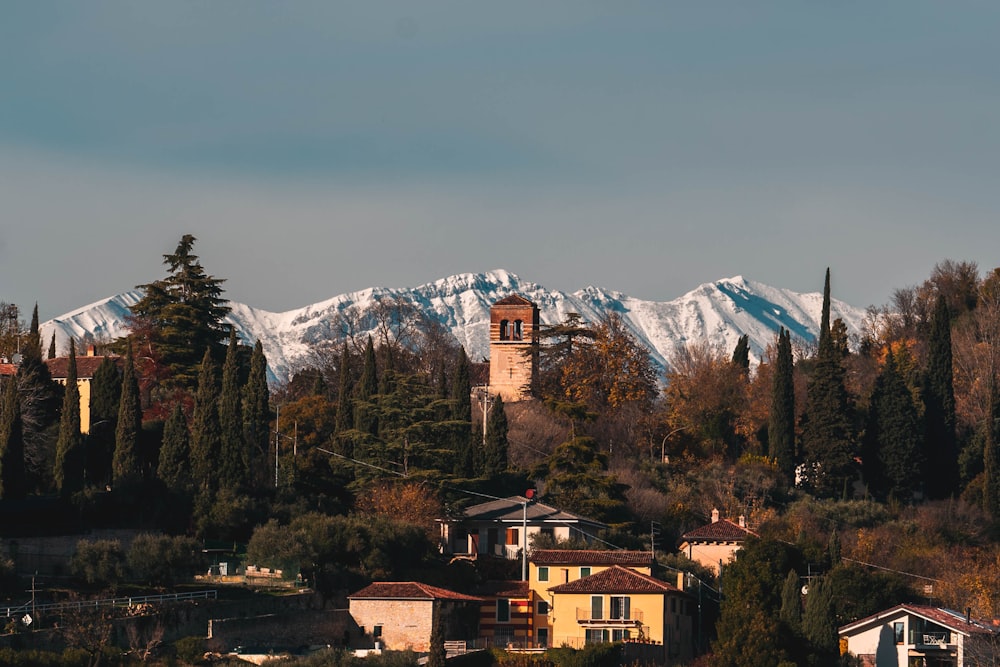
(52, 346)
(105, 398)
(817, 622)
(991, 454)
(205, 431)
(741, 354)
(495, 454)
(232, 456)
(68, 472)
(893, 438)
(174, 469)
(12, 469)
(184, 313)
(827, 432)
(781, 421)
(940, 442)
(125, 468)
(256, 415)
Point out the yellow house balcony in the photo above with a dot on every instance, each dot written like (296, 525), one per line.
(585, 616)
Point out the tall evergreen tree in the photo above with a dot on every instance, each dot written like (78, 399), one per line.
(233, 462)
(460, 395)
(68, 472)
(991, 453)
(105, 398)
(256, 416)
(40, 398)
(827, 433)
(183, 312)
(12, 471)
(741, 354)
(125, 467)
(940, 442)
(364, 393)
(52, 346)
(175, 465)
(791, 602)
(205, 430)
(345, 387)
(781, 420)
(494, 458)
(893, 452)
(818, 621)
(438, 655)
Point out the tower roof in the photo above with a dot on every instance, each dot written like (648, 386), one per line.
(514, 300)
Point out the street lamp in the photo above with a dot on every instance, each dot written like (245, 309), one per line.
(663, 445)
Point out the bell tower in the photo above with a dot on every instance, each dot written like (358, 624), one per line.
(513, 347)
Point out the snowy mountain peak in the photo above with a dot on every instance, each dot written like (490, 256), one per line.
(715, 313)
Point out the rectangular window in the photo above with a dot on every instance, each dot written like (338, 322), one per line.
(620, 607)
(584, 572)
(597, 636)
(673, 605)
(513, 537)
(596, 608)
(619, 635)
(503, 610)
(377, 631)
(897, 631)
(543, 637)
(543, 574)
(543, 607)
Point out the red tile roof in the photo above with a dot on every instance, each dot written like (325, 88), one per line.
(723, 530)
(953, 620)
(85, 366)
(409, 590)
(8, 369)
(513, 300)
(616, 579)
(591, 557)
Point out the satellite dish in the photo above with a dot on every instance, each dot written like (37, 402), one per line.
(805, 589)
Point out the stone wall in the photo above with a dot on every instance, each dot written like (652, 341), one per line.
(291, 630)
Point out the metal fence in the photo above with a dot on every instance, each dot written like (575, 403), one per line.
(130, 601)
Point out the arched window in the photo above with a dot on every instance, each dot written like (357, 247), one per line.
(504, 330)
(518, 332)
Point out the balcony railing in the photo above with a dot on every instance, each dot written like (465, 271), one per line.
(585, 615)
(919, 638)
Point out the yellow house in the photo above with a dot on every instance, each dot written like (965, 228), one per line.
(86, 366)
(549, 567)
(620, 604)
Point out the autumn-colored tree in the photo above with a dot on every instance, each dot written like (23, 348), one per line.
(412, 502)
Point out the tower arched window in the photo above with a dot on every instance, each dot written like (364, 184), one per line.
(504, 330)
(518, 331)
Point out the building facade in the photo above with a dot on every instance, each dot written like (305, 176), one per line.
(514, 323)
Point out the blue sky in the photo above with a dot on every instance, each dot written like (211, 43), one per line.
(316, 148)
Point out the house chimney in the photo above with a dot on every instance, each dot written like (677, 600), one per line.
(743, 521)
(91, 350)
(680, 580)
(715, 515)
(968, 614)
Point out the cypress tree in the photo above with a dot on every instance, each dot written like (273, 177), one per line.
(817, 622)
(256, 415)
(39, 400)
(461, 389)
(791, 602)
(232, 455)
(991, 454)
(52, 346)
(495, 455)
(345, 417)
(893, 438)
(105, 397)
(174, 469)
(827, 432)
(12, 468)
(781, 420)
(741, 354)
(68, 472)
(437, 657)
(205, 431)
(460, 395)
(125, 463)
(364, 413)
(940, 442)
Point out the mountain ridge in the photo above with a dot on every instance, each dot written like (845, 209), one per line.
(716, 313)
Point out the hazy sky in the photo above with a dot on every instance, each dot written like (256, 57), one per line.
(316, 148)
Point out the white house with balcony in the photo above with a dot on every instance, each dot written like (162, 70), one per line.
(502, 527)
(922, 636)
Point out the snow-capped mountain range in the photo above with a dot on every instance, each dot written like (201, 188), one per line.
(716, 313)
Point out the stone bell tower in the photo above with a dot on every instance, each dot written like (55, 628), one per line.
(513, 347)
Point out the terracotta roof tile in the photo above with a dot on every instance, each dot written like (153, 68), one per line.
(409, 590)
(8, 369)
(723, 530)
(85, 366)
(616, 579)
(591, 557)
(513, 300)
